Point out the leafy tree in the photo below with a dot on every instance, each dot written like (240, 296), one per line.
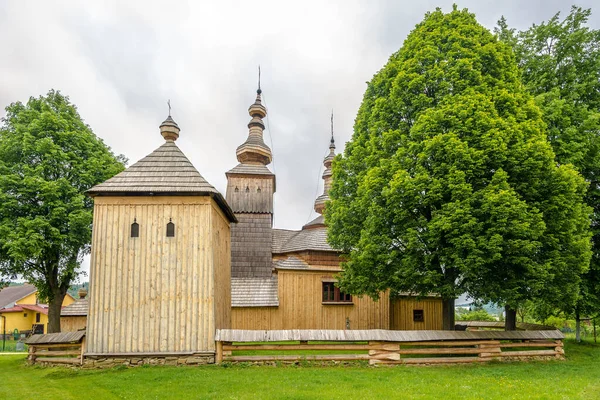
(560, 64)
(449, 184)
(479, 314)
(48, 158)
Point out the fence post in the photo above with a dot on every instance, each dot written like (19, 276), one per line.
(82, 349)
(219, 355)
(489, 349)
(31, 356)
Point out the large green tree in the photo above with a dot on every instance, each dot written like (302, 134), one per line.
(449, 184)
(48, 158)
(560, 64)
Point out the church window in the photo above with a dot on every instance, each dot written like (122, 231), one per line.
(247, 189)
(418, 316)
(236, 189)
(332, 294)
(170, 229)
(258, 190)
(135, 229)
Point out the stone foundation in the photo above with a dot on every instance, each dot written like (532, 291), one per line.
(134, 361)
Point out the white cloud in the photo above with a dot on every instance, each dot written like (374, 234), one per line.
(120, 61)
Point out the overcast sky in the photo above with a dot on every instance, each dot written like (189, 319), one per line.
(120, 61)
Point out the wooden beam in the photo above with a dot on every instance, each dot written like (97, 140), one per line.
(304, 347)
(440, 360)
(383, 355)
(54, 360)
(332, 357)
(453, 343)
(55, 345)
(453, 350)
(528, 344)
(527, 353)
(219, 353)
(51, 353)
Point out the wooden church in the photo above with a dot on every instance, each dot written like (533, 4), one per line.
(172, 260)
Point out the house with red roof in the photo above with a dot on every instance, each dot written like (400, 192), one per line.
(21, 310)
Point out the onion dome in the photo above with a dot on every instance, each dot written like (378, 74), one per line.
(254, 150)
(169, 129)
(327, 177)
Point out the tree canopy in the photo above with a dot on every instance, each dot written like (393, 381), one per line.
(48, 158)
(449, 184)
(560, 64)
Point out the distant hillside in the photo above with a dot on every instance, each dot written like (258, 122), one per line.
(75, 288)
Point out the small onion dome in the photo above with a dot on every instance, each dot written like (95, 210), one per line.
(254, 150)
(82, 293)
(169, 129)
(327, 177)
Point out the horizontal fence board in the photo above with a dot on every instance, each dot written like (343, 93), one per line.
(531, 344)
(323, 357)
(284, 347)
(527, 353)
(454, 343)
(455, 350)
(57, 353)
(439, 360)
(54, 346)
(54, 360)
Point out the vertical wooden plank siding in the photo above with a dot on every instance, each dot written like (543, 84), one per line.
(401, 317)
(72, 324)
(300, 307)
(155, 293)
(222, 266)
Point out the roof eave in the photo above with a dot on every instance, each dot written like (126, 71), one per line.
(216, 196)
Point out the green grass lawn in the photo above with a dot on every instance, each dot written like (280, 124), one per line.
(576, 378)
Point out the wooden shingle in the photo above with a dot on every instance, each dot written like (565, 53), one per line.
(165, 171)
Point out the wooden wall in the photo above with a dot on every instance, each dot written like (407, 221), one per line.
(300, 307)
(221, 245)
(153, 293)
(251, 240)
(401, 317)
(258, 198)
(72, 324)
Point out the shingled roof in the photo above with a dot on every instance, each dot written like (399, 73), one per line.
(165, 171)
(11, 294)
(285, 241)
(254, 292)
(78, 308)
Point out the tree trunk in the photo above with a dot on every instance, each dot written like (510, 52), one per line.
(448, 323)
(577, 326)
(54, 307)
(510, 323)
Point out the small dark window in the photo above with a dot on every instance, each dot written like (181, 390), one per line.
(37, 317)
(332, 294)
(418, 316)
(170, 229)
(247, 189)
(25, 314)
(236, 189)
(135, 229)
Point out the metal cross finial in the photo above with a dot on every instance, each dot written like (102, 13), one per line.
(169, 104)
(332, 123)
(259, 91)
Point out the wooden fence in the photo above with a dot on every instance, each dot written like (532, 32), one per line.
(57, 348)
(386, 347)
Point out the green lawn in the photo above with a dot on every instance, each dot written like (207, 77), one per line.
(576, 378)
